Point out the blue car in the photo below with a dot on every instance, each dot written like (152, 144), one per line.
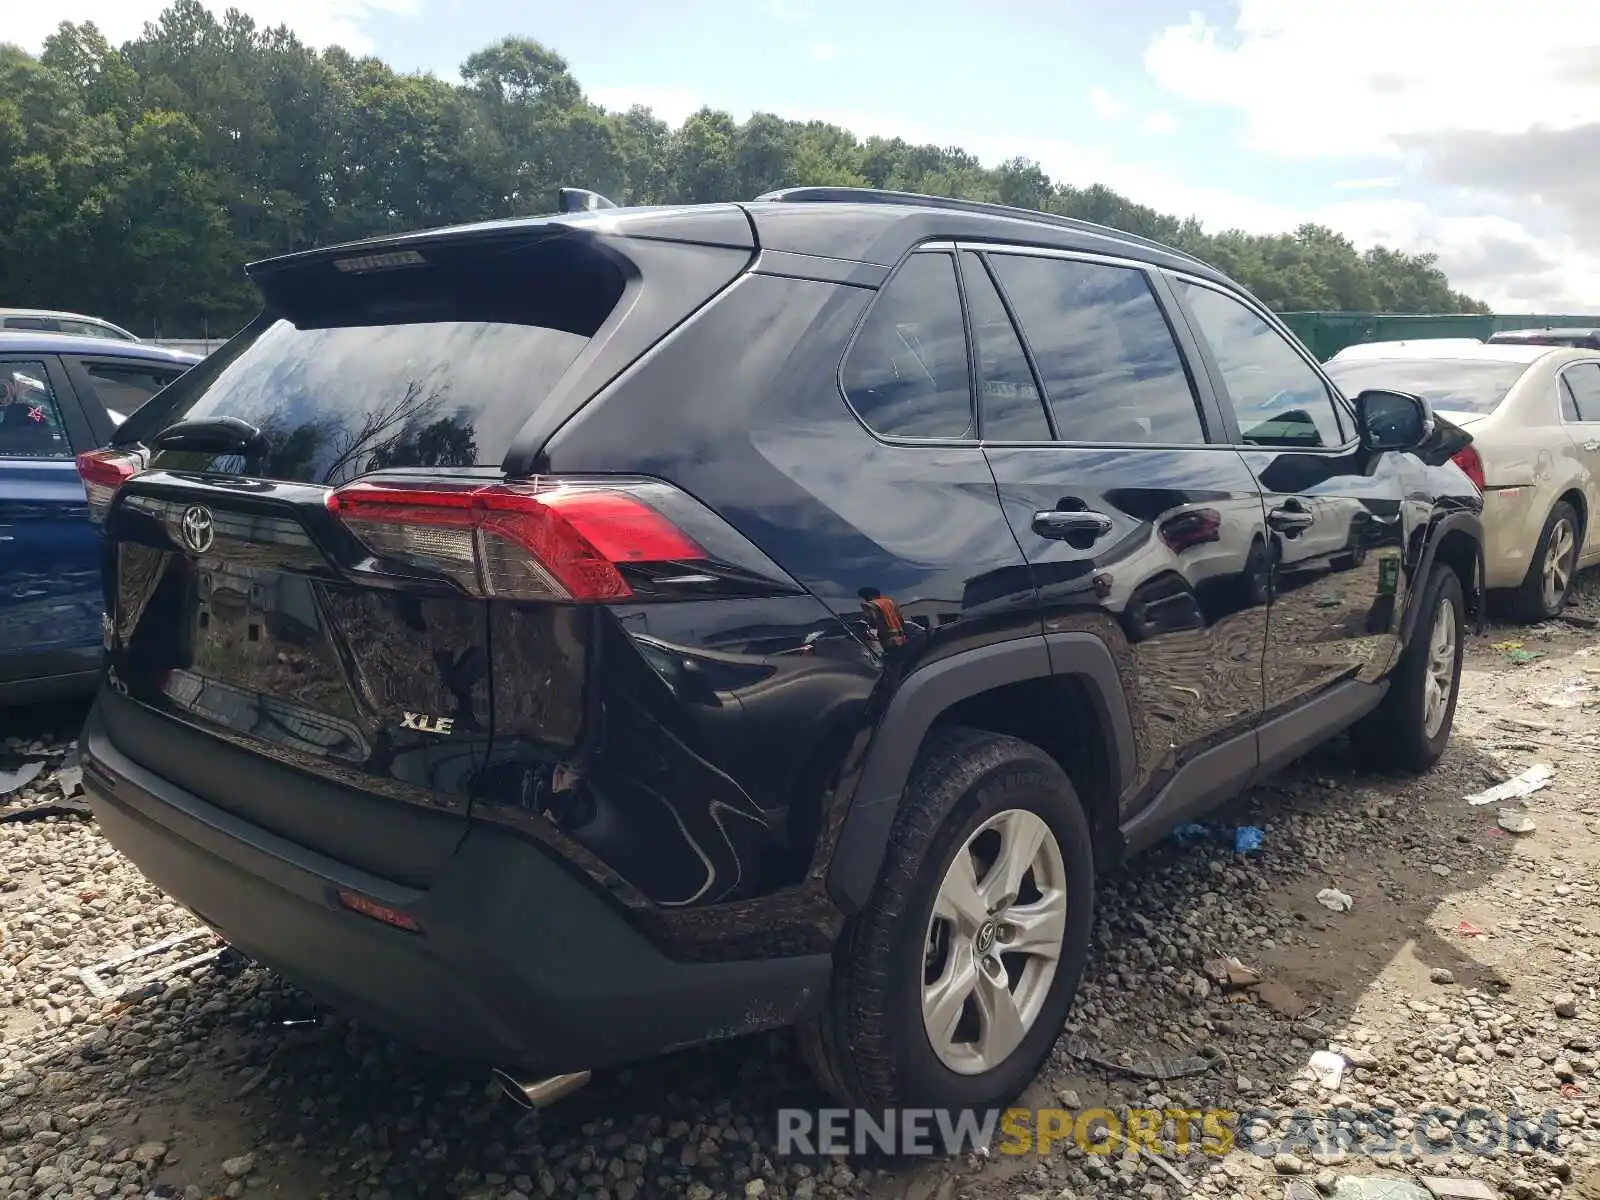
(60, 395)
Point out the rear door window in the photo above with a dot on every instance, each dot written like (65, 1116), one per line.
(39, 324)
(85, 329)
(31, 420)
(1105, 354)
(1008, 396)
(906, 373)
(123, 388)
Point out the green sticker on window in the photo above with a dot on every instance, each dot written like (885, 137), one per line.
(1388, 575)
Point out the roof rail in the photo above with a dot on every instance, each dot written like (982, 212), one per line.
(849, 195)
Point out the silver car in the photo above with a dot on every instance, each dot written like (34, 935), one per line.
(1534, 415)
(47, 320)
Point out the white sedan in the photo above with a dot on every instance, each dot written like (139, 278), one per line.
(1534, 416)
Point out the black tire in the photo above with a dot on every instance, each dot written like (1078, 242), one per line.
(1529, 602)
(1395, 734)
(869, 1047)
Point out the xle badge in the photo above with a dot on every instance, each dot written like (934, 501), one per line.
(423, 723)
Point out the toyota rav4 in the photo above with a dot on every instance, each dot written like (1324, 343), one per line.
(562, 640)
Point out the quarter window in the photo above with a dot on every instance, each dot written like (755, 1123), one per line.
(1583, 381)
(30, 419)
(1105, 353)
(1013, 410)
(906, 375)
(1279, 399)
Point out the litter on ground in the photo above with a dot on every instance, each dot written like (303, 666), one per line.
(101, 978)
(1335, 899)
(10, 781)
(1525, 784)
(1248, 838)
(1327, 1068)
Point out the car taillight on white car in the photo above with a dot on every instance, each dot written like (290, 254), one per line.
(1471, 464)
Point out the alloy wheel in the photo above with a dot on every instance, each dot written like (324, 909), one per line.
(1560, 554)
(994, 940)
(1440, 680)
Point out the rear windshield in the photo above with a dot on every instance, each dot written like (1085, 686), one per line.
(435, 366)
(1450, 385)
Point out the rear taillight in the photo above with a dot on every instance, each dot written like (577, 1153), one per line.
(103, 472)
(1471, 464)
(537, 540)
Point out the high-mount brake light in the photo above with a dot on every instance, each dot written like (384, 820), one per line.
(536, 540)
(103, 472)
(362, 264)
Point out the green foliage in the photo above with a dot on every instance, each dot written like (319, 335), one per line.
(136, 181)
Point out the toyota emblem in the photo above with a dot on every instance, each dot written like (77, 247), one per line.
(196, 529)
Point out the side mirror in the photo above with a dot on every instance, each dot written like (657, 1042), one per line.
(1393, 420)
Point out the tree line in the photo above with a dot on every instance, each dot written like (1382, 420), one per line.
(136, 180)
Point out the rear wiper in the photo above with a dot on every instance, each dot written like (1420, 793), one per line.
(213, 435)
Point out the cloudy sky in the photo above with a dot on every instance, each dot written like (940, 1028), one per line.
(1470, 129)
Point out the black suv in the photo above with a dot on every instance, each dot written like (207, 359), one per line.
(562, 640)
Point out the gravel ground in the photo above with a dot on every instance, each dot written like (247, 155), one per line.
(1463, 976)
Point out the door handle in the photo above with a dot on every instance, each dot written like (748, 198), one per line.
(1058, 525)
(1591, 445)
(1289, 520)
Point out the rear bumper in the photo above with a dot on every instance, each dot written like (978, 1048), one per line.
(1512, 523)
(518, 963)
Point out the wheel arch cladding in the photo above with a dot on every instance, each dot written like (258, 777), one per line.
(1062, 693)
(1457, 544)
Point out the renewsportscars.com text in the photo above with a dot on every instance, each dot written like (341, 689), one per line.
(1211, 1131)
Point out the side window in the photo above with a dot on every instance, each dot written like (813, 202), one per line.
(30, 419)
(123, 388)
(1584, 382)
(1104, 351)
(1279, 399)
(906, 375)
(41, 324)
(83, 329)
(1013, 410)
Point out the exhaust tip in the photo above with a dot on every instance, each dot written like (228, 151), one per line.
(537, 1093)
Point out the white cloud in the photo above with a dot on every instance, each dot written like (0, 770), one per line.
(792, 11)
(672, 105)
(317, 22)
(1106, 106)
(1493, 107)
(1493, 258)
(824, 52)
(1330, 78)
(1158, 124)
